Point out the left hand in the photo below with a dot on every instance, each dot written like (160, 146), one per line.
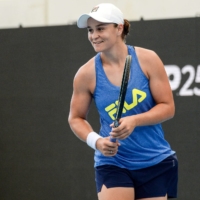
(125, 128)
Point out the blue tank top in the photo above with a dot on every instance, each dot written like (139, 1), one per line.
(146, 145)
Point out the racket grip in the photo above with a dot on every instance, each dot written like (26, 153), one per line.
(112, 139)
(116, 124)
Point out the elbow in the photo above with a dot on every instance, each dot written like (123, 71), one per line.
(73, 122)
(171, 115)
(70, 120)
(172, 112)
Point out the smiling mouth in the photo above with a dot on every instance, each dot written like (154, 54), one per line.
(97, 42)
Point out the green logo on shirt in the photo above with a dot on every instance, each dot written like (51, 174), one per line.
(138, 97)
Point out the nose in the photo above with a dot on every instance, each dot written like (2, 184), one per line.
(94, 35)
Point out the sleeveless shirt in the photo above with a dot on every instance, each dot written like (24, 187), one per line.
(146, 145)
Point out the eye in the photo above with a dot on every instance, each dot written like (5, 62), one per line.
(89, 30)
(100, 29)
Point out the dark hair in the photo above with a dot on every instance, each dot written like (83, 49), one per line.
(126, 30)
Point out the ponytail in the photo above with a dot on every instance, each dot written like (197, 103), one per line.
(126, 30)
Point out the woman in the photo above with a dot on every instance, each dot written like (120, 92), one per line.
(140, 164)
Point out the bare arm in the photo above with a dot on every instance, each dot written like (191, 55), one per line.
(164, 109)
(84, 84)
(80, 102)
(160, 89)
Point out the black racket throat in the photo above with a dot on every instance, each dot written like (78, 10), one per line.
(123, 89)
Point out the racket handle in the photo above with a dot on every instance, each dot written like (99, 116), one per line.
(116, 124)
(112, 139)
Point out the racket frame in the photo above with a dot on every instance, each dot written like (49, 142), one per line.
(122, 94)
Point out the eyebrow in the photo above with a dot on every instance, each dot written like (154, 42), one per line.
(103, 24)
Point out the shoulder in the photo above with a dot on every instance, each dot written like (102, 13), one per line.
(149, 60)
(86, 69)
(85, 76)
(146, 54)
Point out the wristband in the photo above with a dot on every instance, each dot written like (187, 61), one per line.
(92, 139)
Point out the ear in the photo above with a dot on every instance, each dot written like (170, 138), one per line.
(120, 28)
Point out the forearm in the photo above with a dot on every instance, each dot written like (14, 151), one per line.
(158, 114)
(80, 127)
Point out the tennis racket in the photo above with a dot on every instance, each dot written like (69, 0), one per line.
(122, 94)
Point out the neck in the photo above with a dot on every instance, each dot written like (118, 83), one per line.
(116, 55)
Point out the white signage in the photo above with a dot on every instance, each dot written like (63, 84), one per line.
(175, 74)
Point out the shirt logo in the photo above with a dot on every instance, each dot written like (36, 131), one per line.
(137, 95)
(95, 9)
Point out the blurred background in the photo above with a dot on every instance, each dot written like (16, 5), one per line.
(31, 13)
(41, 49)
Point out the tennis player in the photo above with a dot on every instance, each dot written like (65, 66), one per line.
(141, 164)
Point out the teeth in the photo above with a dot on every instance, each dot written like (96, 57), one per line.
(96, 42)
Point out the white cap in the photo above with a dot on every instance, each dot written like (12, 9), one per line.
(104, 12)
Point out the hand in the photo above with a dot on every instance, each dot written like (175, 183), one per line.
(107, 147)
(125, 128)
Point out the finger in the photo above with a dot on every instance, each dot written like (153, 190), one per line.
(123, 135)
(114, 148)
(111, 153)
(118, 143)
(117, 133)
(118, 129)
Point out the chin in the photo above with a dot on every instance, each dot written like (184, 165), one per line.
(98, 49)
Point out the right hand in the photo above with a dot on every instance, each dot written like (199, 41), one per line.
(106, 147)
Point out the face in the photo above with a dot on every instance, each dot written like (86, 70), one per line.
(103, 36)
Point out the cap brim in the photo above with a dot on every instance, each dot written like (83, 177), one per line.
(82, 21)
